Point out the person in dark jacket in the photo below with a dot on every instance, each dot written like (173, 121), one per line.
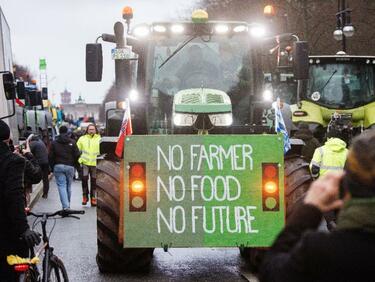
(13, 222)
(301, 253)
(32, 171)
(39, 150)
(311, 143)
(63, 156)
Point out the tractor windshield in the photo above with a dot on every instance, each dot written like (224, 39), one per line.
(216, 62)
(343, 85)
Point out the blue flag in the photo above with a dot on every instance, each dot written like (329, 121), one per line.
(280, 125)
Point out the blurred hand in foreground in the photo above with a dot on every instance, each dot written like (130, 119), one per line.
(324, 192)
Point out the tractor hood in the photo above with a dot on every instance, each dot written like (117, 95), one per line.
(202, 100)
(191, 104)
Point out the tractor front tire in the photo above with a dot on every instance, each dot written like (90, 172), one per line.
(297, 180)
(112, 256)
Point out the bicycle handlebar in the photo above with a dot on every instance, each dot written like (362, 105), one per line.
(62, 213)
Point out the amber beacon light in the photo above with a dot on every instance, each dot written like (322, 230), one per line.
(269, 11)
(127, 13)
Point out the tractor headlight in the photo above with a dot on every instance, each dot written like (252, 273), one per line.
(180, 119)
(221, 119)
(221, 28)
(257, 31)
(267, 95)
(177, 28)
(133, 95)
(141, 31)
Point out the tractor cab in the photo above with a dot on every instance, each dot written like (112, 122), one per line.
(188, 57)
(341, 82)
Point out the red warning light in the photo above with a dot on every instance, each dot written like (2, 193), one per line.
(270, 171)
(137, 170)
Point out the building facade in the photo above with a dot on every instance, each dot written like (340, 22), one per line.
(81, 110)
(66, 97)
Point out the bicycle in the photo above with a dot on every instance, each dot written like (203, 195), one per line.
(53, 268)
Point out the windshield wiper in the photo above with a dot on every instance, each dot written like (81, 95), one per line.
(329, 79)
(177, 50)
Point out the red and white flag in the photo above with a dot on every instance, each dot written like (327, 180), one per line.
(126, 129)
(20, 103)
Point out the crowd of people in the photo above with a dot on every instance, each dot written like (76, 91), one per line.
(22, 166)
(343, 194)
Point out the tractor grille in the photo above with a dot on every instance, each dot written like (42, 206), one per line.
(214, 99)
(191, 99)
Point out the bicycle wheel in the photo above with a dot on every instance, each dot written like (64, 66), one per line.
(57, 271)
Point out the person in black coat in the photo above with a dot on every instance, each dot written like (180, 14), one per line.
(13, 222)
(63, 156)
(39, 150)
(301, 253)
(311, 143)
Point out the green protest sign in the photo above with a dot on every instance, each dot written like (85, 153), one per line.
(203, 190)
(42, 64)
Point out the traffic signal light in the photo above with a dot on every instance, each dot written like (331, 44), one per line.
(137, 187)
(270, 187)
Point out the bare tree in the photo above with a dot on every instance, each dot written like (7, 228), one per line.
(311, 20)
(22, 72)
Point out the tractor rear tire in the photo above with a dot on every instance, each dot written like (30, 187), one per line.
(112, 256)
(297, 180)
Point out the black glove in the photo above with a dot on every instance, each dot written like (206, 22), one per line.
(31, 238)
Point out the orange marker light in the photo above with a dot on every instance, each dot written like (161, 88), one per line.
(137, 186)
(269, 11)
(270, 187)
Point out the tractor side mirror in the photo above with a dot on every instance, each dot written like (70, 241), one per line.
(38, 100)
(8, 84)
(94, 62)
(44, 93)
(21, 90)
(301, 60)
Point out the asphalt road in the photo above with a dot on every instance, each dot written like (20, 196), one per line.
(75, 243)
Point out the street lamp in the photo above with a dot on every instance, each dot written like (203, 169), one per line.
(338, 34)
(344, 26)
(348, 30)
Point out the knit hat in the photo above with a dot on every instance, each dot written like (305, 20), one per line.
(4, 131)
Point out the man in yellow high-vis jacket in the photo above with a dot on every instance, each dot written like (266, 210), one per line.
(329, 157)
(88, 145)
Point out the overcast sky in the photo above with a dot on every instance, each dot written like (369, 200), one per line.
(58, 30)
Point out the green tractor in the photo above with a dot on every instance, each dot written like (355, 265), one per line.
(342, 85)
(202, 168)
